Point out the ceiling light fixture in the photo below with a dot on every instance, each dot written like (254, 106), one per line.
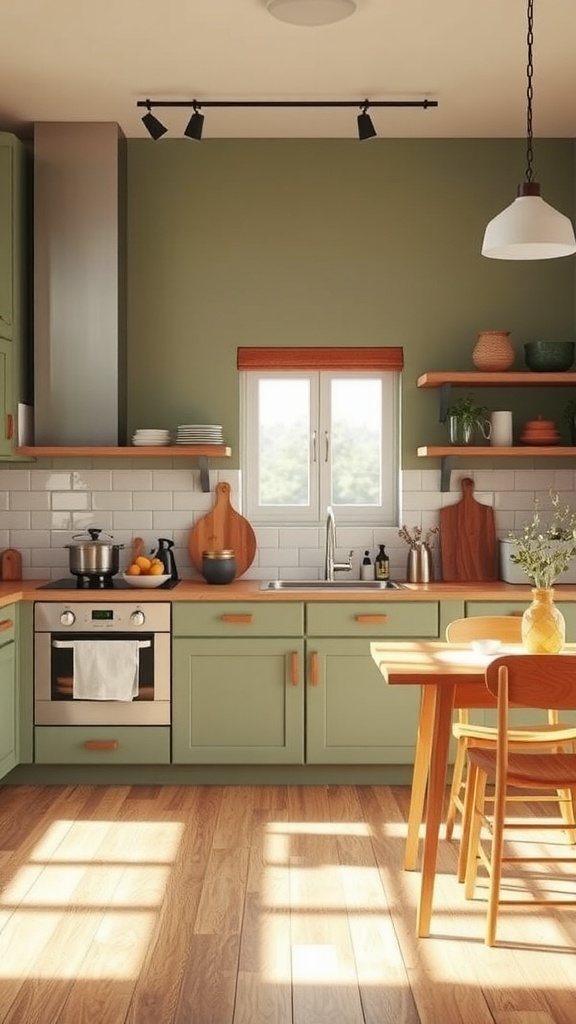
(311, 12)
(193, 129)
(154, 127)
(529, 229)
(366, 129)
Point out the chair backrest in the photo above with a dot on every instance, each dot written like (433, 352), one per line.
(507, 628)
(534, 680)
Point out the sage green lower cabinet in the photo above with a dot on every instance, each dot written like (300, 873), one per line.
(568, 609)
(101, 745)
(352, 716)
(8, 691)
(238, 701)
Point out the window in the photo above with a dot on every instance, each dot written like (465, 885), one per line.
(313, 437)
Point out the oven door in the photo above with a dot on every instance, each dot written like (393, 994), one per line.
(54, 699)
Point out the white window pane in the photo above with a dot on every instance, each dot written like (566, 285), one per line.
(284, 442)
(356, 442)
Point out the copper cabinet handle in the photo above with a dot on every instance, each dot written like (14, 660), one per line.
(371, 619)
(314, 668)
(101, 744)
(295, 668)
(9, 426)
(6, 624)
(237, 618)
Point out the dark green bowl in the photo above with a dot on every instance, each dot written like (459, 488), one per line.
(549, 356)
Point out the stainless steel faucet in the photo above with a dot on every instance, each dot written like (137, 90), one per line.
(330, 564)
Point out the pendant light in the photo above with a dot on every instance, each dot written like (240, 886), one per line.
(311, 12)
(529, 229)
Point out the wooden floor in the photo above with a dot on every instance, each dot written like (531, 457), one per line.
(252, 905)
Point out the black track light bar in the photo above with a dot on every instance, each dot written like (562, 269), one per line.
(199, 104)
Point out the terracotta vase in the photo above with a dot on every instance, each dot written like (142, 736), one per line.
(543, 625)
(493, 351)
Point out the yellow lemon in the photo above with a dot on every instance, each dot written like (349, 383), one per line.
(133, 570)
(143, 563)
(156, 569)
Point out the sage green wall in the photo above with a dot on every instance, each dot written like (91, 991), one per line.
(329, 242)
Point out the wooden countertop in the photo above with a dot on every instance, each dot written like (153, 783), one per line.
(249, 590)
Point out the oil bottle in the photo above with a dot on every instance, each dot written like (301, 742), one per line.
(382, 564)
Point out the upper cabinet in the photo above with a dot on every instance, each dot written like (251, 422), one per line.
(13, 330)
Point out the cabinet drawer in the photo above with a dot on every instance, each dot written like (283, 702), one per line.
(236, 618)
(102, 745)
(372, 620)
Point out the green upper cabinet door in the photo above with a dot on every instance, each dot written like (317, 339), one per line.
(6, 238)
(14, 340)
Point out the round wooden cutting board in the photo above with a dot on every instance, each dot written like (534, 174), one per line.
(221, 529)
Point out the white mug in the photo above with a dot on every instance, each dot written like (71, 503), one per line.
(501, 436)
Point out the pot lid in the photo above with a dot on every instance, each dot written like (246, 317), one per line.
(93, 536)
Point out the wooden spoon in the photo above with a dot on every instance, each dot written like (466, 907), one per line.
(137, 548)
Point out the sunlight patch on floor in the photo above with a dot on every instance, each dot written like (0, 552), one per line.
(82, 906)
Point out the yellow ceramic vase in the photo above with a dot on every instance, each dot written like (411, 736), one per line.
(543, 625)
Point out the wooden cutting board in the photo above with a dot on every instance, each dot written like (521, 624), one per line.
(10, 564)
(468, 546)
(223, 528)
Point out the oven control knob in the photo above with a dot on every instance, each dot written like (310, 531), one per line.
(137, 618)
(68, 618)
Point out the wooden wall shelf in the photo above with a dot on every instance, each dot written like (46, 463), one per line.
(476, 378)
(202, 452)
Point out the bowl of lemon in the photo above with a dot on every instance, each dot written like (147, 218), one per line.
(145, 572)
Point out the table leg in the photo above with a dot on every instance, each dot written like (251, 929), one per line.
(420, 776)
(443, 708)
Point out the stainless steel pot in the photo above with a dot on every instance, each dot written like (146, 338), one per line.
(93, 554)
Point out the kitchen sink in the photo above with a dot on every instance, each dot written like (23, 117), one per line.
(331, 585)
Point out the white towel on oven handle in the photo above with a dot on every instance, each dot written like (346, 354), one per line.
(105, 669)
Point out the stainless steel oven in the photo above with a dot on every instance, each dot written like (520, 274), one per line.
(68, 645)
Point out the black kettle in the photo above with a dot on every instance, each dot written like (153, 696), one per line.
(166, 556)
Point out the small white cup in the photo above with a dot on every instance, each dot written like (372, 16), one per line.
(501, 436)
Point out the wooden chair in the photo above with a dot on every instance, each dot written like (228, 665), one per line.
(507, 629)
(529, 680)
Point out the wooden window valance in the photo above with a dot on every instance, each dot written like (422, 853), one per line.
(326, 358)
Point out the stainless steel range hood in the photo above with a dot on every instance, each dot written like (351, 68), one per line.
(79, 305)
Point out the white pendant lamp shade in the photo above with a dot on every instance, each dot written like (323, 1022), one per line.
(529, 229)
(311, 12)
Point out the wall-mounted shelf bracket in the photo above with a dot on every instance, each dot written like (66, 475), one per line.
(446, 467)
(204, 473)
(445, 392)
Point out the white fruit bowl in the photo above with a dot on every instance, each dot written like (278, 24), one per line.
(145, 582)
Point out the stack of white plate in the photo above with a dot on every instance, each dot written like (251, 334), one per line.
(151, 438)
(199, 433)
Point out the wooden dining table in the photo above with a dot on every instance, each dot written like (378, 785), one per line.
(450, 676)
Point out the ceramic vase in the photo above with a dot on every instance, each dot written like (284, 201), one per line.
(493, 351)
(543, 625)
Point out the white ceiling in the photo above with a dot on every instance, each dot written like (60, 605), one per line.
(80, 60)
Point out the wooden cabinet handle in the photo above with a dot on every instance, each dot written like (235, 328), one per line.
(6, 624)
(314, 668)
(101, 744)
(237, 618)
(295, 668)
(371, 619)
(9, 426)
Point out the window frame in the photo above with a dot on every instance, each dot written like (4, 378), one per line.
(320, 367)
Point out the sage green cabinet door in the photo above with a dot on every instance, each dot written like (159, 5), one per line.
(8, 716)
(6, 237)
(238, 701)
(7, 401)
(352, 716)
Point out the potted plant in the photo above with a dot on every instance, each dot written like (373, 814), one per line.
(464, 416)
(544, 552)
(569, 418)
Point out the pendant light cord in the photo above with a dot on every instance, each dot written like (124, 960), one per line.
(529, 93)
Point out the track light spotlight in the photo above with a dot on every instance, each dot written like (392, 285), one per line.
(366, 129)
(154, 127)
(193, 129)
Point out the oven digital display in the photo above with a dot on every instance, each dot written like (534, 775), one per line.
(102, 615)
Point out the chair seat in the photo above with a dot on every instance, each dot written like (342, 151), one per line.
(541, 771)
(521, 733)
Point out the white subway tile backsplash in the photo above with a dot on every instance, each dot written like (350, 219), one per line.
(40, 511)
